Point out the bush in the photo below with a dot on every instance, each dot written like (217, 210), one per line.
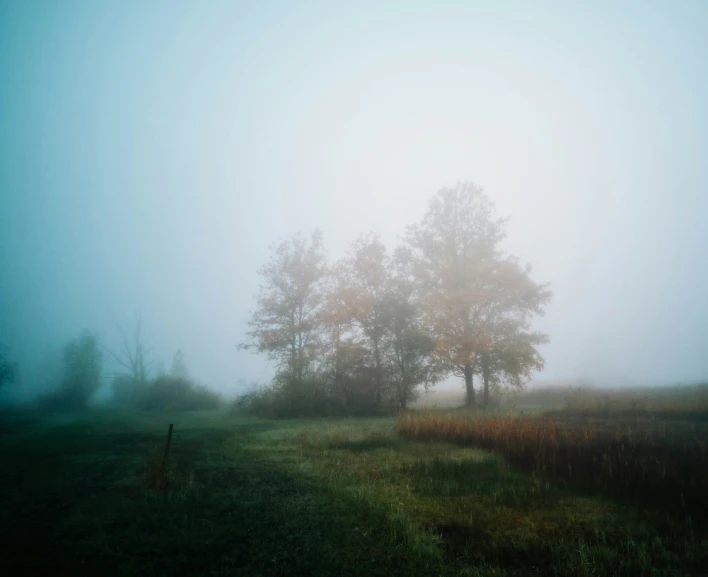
(300, 397)
(63, 399)
(256, 402)
(123, 391)
(166, 394)
(315, 396)
(290, 397)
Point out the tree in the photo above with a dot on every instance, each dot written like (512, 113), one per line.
(511, 360)
(409, 353)
(364, 284)
(179, 367)
(471, 293)
(369, 331)
(82, 375)
(133, 354)
(455, 238)
(409, 347)
(287, 325)
(340, 352)
(8, 371)
(506, 347)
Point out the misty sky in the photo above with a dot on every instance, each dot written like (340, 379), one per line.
(151, 151)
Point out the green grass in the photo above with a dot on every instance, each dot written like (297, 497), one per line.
(318, 497)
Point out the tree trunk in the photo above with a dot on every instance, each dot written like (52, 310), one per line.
(469, 386)
(293, 359)
(485, 374)
(402, 394)
(377, 376)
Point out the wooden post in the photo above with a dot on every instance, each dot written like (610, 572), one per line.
(167, 447)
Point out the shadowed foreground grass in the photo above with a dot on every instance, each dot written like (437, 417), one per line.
(325, 497)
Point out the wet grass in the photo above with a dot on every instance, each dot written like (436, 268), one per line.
(319, 497)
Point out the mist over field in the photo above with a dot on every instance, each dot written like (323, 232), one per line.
(152, 152)
(400, 288)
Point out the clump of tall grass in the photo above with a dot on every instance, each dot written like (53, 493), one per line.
(155, 473)
(668, 470)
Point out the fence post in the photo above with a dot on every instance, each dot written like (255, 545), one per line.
(167, 447)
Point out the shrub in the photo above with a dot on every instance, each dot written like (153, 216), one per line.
(259, 401)
(165, 393)
(290, 397)
(305, 397)
(123, 391)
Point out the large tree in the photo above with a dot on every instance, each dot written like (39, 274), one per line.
(463, 275)
(286, 324)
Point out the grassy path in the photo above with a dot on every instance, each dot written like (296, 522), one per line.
(73, 503)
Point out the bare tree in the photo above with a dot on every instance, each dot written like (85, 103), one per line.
(133, 353)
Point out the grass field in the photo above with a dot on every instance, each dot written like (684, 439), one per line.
(319, 497)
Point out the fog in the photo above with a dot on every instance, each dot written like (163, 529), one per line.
(150, 152)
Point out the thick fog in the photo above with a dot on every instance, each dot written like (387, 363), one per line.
(150, 152)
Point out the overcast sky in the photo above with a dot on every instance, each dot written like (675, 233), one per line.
(150, 152)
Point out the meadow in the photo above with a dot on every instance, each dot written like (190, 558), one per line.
(84, 494)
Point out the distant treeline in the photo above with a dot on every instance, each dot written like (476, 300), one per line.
(363, 334)
(132, 388)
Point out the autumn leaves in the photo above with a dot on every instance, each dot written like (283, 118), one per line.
(368, 330)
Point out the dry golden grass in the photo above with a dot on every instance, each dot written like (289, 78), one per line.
(648, 463)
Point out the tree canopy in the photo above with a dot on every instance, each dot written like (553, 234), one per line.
(375, 326)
